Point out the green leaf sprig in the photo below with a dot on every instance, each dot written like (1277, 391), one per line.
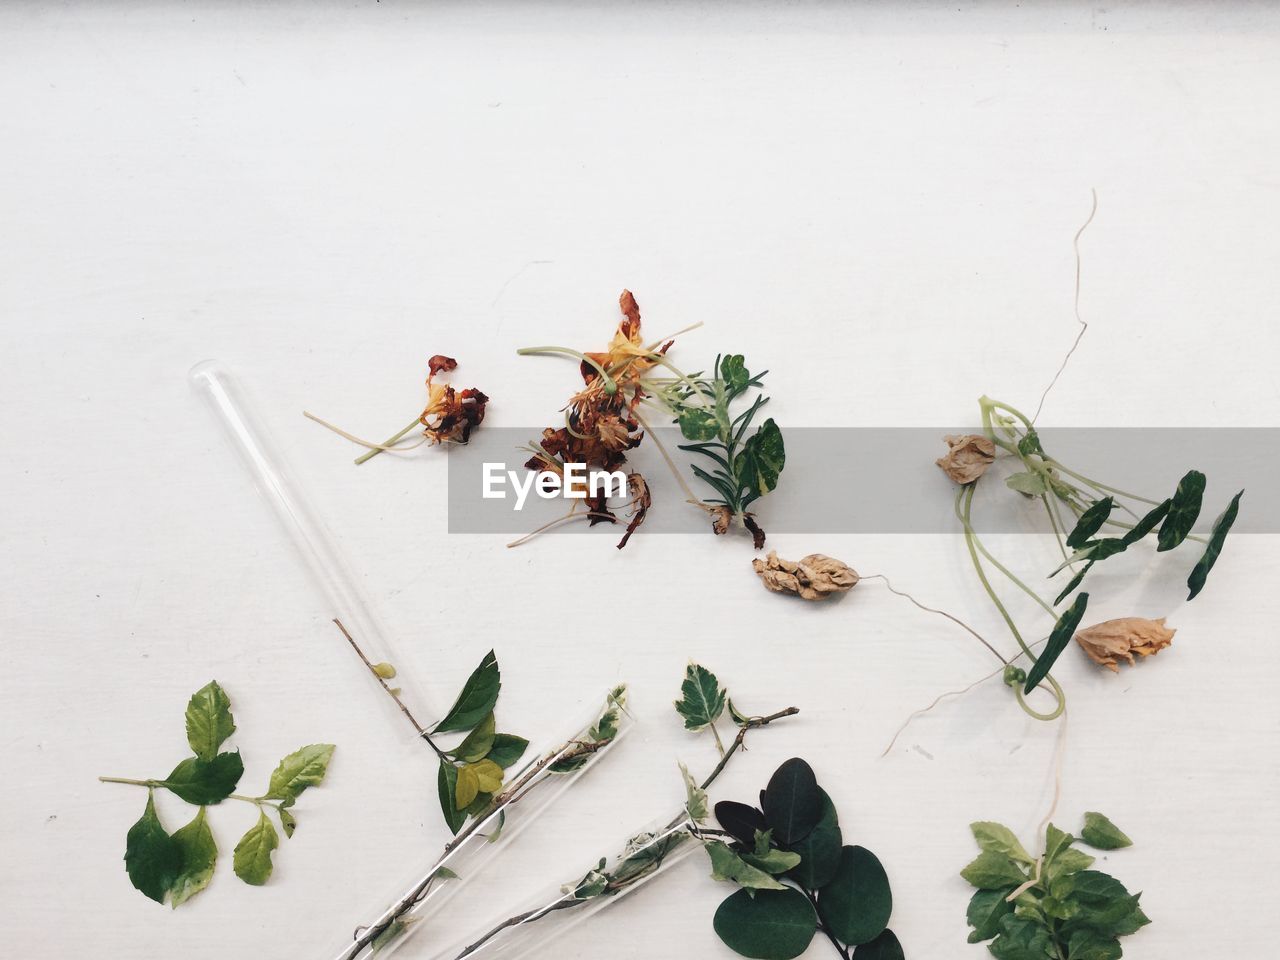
(743, 466)
(1051, 906)
(703, 702)
(1094, 505)
(177, 866)
(797, 876)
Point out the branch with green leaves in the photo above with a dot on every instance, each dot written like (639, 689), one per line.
(1093, 507)
(177, 866)
(703, 702)
(1053, 906)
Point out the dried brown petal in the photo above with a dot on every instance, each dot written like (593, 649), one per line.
(1113, 640)
(757, 532)
(720, 518)
(814, 577)
(967, 457)
(641, 500)
(439, 362)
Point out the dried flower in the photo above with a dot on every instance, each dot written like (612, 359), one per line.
(450, 415)
(815, 577)
(967, 458)
(1108, 642)
(720, 519)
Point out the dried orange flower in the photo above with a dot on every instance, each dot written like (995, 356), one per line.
(815, 577)
(450, 415)
(1113, 640)
(967, 458)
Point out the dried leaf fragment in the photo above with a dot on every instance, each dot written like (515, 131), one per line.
(967, 458)
(814, 577)
(1109, 642)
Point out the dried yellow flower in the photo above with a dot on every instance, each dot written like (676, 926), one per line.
(1108, 642)
(967, 457)
(815, 577)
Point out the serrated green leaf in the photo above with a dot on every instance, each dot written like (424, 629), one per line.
(507, 749)
(701, 698)
(1221, 527)
(1027, 483)
(303, 768)
(209, 720)
(1101, 834)
(206, 781)
(986, 909)
(1055, 841)
(1067, 862)
(476, 745)
(152, 858)
(199, 856)
(477, 698)
(792, 802)
(820, 851)
(698, 424)
(1088, 945)
(252, 856)
(1059, 637)
(759, 464)
(728, 865)
(883, 947)
(447, 788)
(998, 838)
(1090, 522)
(771, 925)
(992, 871)
(1184, 509)
(856, 904)
(1021, 939)
(695, 797)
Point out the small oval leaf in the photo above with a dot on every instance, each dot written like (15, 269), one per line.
(856, 904)
(792, 802)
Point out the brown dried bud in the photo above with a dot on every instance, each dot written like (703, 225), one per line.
(720, 519)
(967, 458)
(1108, 642)
(440, 362)
(815, 577)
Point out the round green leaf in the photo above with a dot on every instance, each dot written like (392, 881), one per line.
(857, 902)
(883, 947)
(772, 925)
(792, 802)
(820, 850)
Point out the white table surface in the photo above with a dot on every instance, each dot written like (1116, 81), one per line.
(878, 200)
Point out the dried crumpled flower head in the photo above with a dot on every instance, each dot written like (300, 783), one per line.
(450, 414)
(967, 458)
(815, 577)
(1108, 642)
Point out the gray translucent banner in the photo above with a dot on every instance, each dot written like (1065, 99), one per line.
(883, 479)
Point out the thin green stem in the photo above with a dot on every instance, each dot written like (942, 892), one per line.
(164, 785)
(610, 385)
(977, 541)
(1102, 487)
(369, 454)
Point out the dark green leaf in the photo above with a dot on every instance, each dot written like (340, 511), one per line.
(856, 904)
(477, 698)
(698, 424)
(1088, 945)
(252, 856)
(507, 748)
(1221, 527)
(447, 787)
(741, 821)
(1055, 841)
(791, 802)
(206, 781)
(1090, 522)
(1021, 939)
(701, 698)
(1075, 582)
(1147, 523)
(1183, 510)
(734, 372)
(762, 459)
(478, 742)
(820, 850)
(152, 858)
(992, 871)
(303, 768)
(772, 925)
(1030, 444)
(883, 947)
(1059, 637)
(199, 855)
(209, 720)
(1107, 547)
(1101, 834)
(986, 908)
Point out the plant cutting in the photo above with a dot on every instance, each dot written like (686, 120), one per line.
(180, 865)
(606, 419)
(796, 876)
(1052, 906)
